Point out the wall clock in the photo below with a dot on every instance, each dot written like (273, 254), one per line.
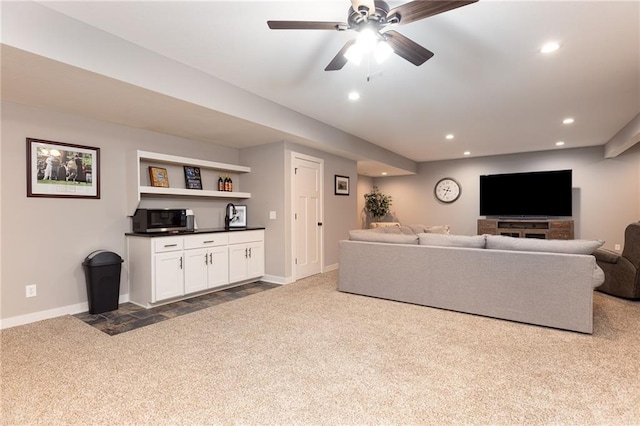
(447, 190)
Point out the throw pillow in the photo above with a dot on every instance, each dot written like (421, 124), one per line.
(501, 242)
(474, 241)
(434, 229)
(377, 237)
(374, 225)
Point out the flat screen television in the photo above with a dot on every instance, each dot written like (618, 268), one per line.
(532, 194)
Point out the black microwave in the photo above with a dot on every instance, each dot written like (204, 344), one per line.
(159, 220)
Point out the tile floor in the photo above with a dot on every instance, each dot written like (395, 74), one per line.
(129, 316)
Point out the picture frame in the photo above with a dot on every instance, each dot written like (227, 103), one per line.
(158, 177)
(341, 185)
(192, 177)
(62, 170)
(239, 220)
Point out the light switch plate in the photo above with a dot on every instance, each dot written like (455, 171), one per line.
(272, 215)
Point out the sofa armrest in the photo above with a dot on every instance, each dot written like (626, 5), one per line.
(607, 256)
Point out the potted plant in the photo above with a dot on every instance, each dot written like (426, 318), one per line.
(377, 204)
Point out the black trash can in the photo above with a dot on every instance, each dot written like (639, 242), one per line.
(102, 269)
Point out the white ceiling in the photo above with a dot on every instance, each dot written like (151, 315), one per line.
(487, 83)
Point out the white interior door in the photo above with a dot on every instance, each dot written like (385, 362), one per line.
(308, 215)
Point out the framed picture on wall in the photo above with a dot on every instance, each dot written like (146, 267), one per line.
(341, 185)
(62, 170)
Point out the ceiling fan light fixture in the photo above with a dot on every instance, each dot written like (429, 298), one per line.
(382, 51)
(367, 40)
(354, 54)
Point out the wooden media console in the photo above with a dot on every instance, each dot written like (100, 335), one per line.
(553, 229)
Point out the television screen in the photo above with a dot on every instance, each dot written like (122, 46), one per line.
(526, 194)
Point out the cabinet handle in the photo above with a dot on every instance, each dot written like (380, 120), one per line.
(206, 259)
(211, 258)
(249, 251)
(170, 245)
(180, 262)
(245, 253)
(208, 242)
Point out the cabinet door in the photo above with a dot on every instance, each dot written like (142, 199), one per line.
(169, 277)
(255, 261)
(238, 255)
(218, 272)
(196, 264)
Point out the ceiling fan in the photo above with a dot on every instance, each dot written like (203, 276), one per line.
(372, 19)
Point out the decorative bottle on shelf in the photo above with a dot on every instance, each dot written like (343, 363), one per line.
(230, 184)
(220, 183)
(226, 183)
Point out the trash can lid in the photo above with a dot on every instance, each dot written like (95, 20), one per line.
(102, 258)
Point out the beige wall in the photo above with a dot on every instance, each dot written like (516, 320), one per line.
(48, 238)
(606, 192)
(45, 240)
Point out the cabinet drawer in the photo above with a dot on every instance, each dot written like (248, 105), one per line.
(245, 236)
(167, 244)
(205, 240)
(560, 235)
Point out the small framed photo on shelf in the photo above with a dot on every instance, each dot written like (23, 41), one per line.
(159, 177)
(341, 185)
(192, 179)
(239, 219)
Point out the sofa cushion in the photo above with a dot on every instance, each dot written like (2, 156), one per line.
(501, 242)
(474, 241)
(380, 237)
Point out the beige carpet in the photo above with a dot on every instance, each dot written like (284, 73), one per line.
(307, 354)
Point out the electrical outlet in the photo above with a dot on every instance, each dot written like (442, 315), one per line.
(616, 247)
(31, 290)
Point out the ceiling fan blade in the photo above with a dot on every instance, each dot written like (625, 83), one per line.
(408, 49)
(339, 60)
(369, 4)
(306, 25)
(416, 10)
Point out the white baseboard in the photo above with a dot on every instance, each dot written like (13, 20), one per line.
(274, 279)
(330, 268)
(51, 313)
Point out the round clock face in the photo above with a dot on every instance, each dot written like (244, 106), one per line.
(447, 190)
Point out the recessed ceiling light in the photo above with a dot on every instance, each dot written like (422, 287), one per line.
(449, 136)
(383, 173)
(467, 153)
(549, 47)
(354, 96)
(559, 143)
(568, 120)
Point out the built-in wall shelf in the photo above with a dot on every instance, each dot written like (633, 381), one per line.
(139, 183)
(154, 190)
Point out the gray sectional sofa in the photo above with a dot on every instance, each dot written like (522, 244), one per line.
(542, 282)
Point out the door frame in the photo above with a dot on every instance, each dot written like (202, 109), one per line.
(292, 180)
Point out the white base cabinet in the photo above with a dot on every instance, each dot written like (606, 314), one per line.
(167, 268)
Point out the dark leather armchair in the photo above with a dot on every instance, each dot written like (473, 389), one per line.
(622, 271)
